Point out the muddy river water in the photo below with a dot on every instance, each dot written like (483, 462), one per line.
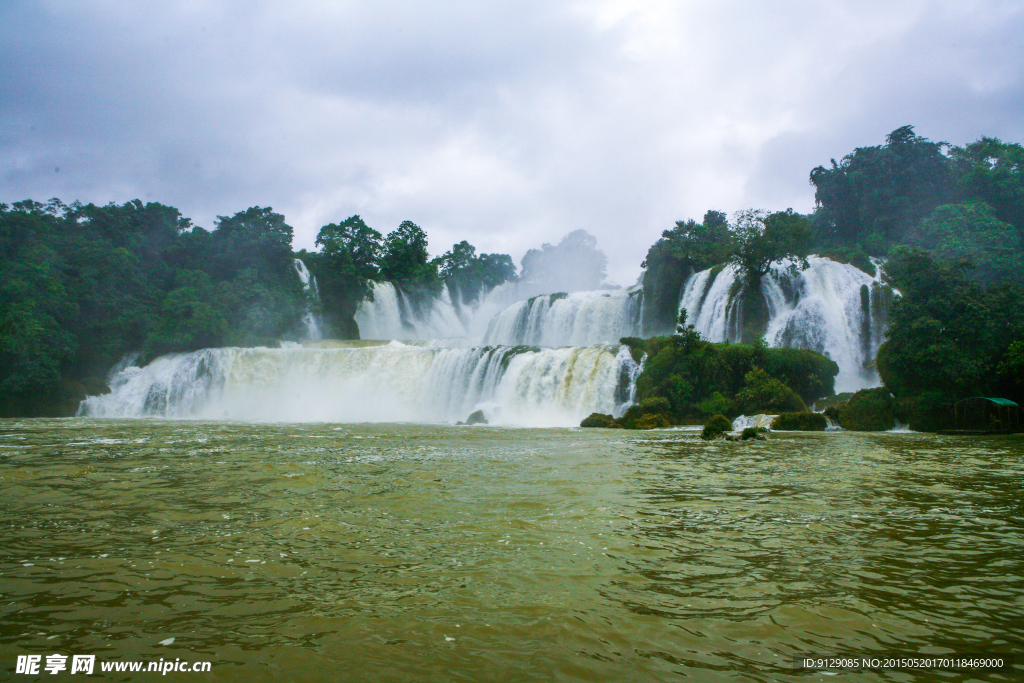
(325, 552)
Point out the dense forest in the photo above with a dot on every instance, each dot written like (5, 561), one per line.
(86, 285)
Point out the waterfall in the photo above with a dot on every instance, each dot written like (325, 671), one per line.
(363, 382)
(577, 319)
(313, 331)
(833, 308)
(393, 315)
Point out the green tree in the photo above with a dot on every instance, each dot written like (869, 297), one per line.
(355, 243)
(970, 231)
(875, 194)
(993, 170)
(683, 250)
(256, 238)
(946, 333)
(762, 239)
(252, 254)
(406, 263)
(348, 261)
(465, 272)
(193, 315)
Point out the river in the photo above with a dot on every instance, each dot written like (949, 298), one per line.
(402, 552)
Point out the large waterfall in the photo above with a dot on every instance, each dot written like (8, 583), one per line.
(546, 360)
(833, 308)
(391, 382)
(391, 314)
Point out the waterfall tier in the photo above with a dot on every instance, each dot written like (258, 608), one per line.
(577, 319)
(500, 317)
(393, 315)
(391, 382)
(832, 308)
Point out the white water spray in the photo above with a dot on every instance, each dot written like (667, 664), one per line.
(374, 383)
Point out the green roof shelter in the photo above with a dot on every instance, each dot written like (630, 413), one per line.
(982, 412)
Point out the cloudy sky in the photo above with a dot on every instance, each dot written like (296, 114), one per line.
(505, 123)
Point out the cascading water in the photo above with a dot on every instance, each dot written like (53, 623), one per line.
(375, 383)
(502, 317)
(830, 307)
(392, 315)
(576, 319)
(833, 308)
(313, 331)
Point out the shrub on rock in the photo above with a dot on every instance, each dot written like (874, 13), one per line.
(600, 420)
(763, 393)
(715, 426)
(869, 410)
(753, 433)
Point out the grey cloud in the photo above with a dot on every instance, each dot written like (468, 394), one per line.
(508, 124)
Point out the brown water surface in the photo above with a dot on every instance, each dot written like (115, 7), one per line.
(321, 552)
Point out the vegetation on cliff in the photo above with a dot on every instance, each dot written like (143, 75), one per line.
(949, 338)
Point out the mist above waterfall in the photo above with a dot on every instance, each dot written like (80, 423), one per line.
(575, 264)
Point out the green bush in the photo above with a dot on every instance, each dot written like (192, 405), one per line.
(800, 422)
(715, 405)
(718, 424)
(752, 432)
(655, 404)
(809, 374)
(869, 410)
(701, 379)
(651, 421)
(650, 413)
(600, 420)
(765, 394)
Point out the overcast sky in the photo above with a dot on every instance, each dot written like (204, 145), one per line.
(508, 124)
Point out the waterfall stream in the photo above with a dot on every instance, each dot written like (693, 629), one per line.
(313, 331)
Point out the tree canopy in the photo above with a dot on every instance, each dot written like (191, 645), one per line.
(469, 275)
(85, 284)
(762, 239)
(875, 194)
